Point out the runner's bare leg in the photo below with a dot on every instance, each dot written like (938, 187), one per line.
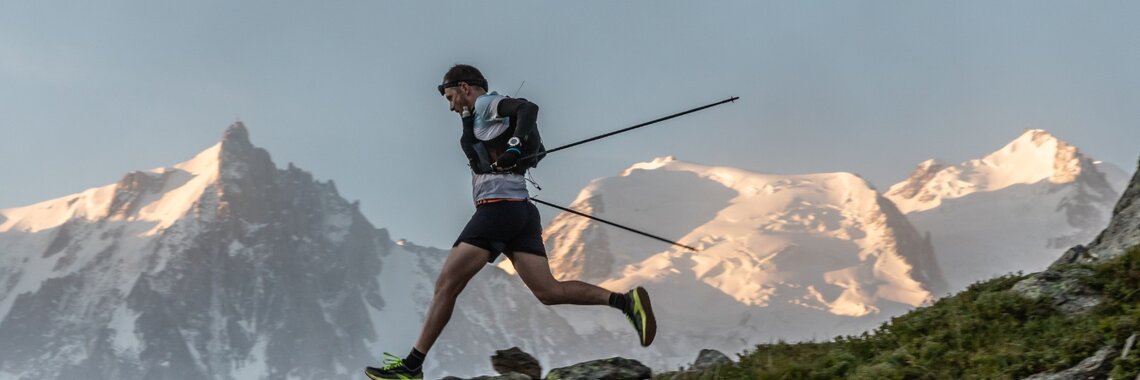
(535, 273)
(464, 261)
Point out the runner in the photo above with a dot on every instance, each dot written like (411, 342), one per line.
(497, 131)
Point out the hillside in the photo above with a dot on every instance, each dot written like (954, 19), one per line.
(1078, 319)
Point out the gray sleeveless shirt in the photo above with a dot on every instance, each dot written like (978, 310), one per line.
(489, 125)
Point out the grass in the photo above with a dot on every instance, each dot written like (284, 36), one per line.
(984, 332)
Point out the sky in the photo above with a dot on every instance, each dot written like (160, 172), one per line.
(90, 91)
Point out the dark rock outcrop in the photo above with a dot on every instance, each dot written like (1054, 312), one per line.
(1065, 289)
(1123, 230)
(509, 376)
(1061, 283)
(514, 364)
(514, 360)
(605, 369)
(709, 359)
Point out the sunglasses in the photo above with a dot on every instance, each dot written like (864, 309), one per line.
(455, 83)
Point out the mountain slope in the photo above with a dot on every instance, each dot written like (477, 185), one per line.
(996, 328)
(1016, 209)
(218, 267)
(226, 267)
(781, 256)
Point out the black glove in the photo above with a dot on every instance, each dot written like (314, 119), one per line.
(507, 161)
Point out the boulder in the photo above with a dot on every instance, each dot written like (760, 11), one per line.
(514, 360)
(509, 376)
(605, 369)
(1065, 289)
(1077, 254)
(709, 359)
(1095, 367)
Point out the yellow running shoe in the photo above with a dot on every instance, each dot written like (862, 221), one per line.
(394, 369)
(640, 314)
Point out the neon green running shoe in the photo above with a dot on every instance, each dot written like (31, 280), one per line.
(640, 314)
(394, 369)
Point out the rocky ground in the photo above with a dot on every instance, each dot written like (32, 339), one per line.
(514, 364)
(1063, 284)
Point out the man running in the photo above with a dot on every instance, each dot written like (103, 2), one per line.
(497, 132)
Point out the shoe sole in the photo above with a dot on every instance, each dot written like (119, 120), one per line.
(650, 320)
(370, 376)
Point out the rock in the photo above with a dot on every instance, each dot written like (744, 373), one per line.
(1094, 367)
(1078, 253)
(709, 359)
(680, 375)
(1128, 346)
(706, 360)
(1123, 231)
(509, 376)
(605, 369)
(515, 360)
(1065, 289)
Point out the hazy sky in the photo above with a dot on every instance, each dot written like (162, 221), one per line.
(346, 89)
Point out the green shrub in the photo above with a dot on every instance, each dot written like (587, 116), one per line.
(984, 332)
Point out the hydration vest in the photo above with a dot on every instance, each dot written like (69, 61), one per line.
(491, 133)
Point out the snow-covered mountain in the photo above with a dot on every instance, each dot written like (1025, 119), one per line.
(225, 267)
(218, 267)
(1016, 209)
(781, 256)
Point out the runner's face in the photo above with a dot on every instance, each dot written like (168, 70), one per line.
(457, 97)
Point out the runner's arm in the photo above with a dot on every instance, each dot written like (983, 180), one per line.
(525, 112)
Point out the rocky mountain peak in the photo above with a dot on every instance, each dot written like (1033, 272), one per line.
(238, 154)
(1038, 136)
(923, 173)
(221, 175)
(219, 267)
(1033, 157)
(244, 171)
(1043, 148)
(236, 133)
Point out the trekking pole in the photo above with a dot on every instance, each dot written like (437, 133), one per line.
(646, 234)
(602, 136)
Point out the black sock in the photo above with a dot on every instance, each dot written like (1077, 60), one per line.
(619, 301)
(415, 359)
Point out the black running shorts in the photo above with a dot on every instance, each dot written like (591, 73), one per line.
(504, 227)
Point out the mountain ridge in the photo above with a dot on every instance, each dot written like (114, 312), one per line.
(1014, 209)
(207, 268)
(227, 267)
(1034, 156)
(164, 274)
(780, 256)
